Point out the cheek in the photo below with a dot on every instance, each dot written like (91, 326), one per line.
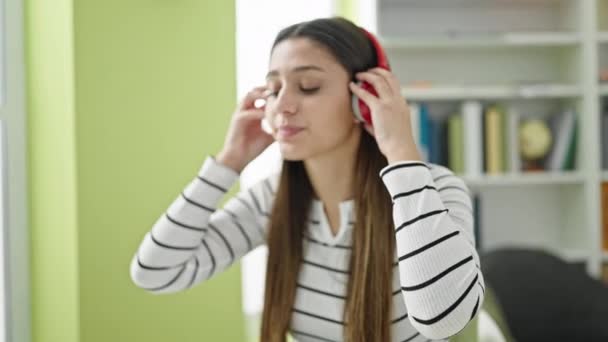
(334, 115)
(332, 125)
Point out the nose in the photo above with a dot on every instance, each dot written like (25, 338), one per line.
(285, 103)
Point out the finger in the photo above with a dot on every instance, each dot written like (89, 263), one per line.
(390, 78)
(379, 83)
(266, 127)
(367, 97)
(253, 114)
(252, 96)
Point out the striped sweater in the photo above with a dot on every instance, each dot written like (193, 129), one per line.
(437, 282)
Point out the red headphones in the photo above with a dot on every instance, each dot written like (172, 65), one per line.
(360, 109)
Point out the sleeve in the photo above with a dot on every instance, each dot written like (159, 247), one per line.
(192, 241)
(439, 269)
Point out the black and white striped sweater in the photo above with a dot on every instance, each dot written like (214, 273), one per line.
(438, 285)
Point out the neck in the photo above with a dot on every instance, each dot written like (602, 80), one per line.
(331, 174)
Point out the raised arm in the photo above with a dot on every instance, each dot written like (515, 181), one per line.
(439, 268)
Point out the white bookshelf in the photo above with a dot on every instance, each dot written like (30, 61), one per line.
(490, 92)
(538, 56)
(572, 255)
(525, 178)
(483, 40)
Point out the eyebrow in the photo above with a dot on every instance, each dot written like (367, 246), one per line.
(274, 73)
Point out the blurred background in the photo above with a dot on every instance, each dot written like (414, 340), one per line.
(108, 108)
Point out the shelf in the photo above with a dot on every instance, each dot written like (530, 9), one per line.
(535, 178)
(534, 57)
(483, 40)
(481, 92)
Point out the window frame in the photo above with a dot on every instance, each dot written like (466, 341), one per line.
(14, 251)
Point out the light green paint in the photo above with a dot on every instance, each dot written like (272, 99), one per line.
(347, 9)
(52, 171)
(125, 101)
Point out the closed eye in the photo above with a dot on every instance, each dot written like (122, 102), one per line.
(307, 91)
(310, 90)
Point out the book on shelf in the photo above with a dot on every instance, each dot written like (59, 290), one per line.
(438, 142)
(484, 142)
(604, 205)
(603, 75)
(604, 133)
(415, 124)
(473, 137)
(512, 155)
(425, 138)
(455, 143)
(494, 140)
(477, 221)
(563, 150)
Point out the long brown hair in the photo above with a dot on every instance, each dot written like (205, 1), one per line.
(367, 310)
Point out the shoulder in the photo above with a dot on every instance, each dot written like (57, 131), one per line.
(261, 192)
(445, 179)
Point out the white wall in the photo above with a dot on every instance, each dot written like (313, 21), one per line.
(258, 22)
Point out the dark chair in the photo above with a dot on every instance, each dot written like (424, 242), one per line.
(545, 298)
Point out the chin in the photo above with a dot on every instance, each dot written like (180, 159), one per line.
(294, 152)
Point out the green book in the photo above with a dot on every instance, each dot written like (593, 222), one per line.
(506, 146)
(456, 143)
(494, 140)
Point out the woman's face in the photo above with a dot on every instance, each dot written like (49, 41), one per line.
(309, 107)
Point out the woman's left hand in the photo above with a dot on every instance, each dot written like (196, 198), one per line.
(390, 115)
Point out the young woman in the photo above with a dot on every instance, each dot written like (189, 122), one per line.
(366, 242)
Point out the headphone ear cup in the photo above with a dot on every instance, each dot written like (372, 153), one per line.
(361, 109)
(357, 105)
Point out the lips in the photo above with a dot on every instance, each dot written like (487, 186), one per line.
(288, 131)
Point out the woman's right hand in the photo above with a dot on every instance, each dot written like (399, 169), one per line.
(245, 139)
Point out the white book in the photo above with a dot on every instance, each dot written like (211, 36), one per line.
(562, 128)
(513, 118)
(473, 139)
(415, 123)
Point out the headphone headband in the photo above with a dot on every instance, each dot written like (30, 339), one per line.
(380, 54)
